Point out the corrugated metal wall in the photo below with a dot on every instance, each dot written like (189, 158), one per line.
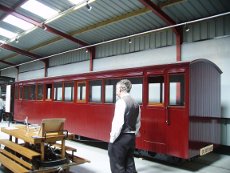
(198, 31)
(70, 57)
(31, 66)
(208, 29)
(148, 41)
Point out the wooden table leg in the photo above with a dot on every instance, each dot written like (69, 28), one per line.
(10, 138)
(42, 151)
(16, 140)
(63, 149)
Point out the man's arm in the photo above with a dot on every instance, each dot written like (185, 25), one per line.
(138, 124)
(118, 120)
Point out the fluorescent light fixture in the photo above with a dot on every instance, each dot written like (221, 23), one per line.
(7, 34)
(76, 1)
(18, 22)
(39, 9)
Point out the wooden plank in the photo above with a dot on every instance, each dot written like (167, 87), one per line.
(11, 165)
(19, 149)
(67, 148)
(79, 160)
(12, 156)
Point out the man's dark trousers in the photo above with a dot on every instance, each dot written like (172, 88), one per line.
(121, 154)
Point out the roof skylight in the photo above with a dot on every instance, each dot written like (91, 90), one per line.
(6, 33)
(76, 1)
(18, 22)
(39, 9)
(2, 42)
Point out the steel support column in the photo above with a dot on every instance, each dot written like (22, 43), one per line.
(91, 58)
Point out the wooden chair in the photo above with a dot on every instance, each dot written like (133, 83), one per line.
(52, 126)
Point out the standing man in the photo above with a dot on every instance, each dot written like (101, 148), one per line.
(125, 126)
(1, 107)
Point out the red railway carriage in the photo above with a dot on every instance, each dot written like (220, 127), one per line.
(180, 105)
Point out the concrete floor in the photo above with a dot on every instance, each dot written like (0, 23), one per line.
(99, 162)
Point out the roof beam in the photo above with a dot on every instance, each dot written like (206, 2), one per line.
(169, 21)
(41, 25)
(156, 10)
(62, 34)
(20, 51)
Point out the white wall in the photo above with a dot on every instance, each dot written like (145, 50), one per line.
(74, 68)
(137, 59)
(35, 74)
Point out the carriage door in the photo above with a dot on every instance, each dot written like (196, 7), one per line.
(176, 119)
(154, 117)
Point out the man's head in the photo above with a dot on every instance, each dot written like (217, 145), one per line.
(123, 86)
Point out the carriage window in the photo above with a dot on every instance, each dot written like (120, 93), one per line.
(95, 91)
(48, 91)
(32, 92)
(20, 92)
(156, 90)
(69, 91)
(58, 91)
(176, 90)
(81, 92)
(136, 91)
(16, 92)
(40, 92)
(110, 90)
(26, 90)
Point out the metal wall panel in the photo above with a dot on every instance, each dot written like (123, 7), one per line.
(208, 29)
(140, 43)
(71, 57)
(198, 31)
(31, 66)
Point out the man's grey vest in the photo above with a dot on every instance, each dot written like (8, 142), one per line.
(131, 114)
